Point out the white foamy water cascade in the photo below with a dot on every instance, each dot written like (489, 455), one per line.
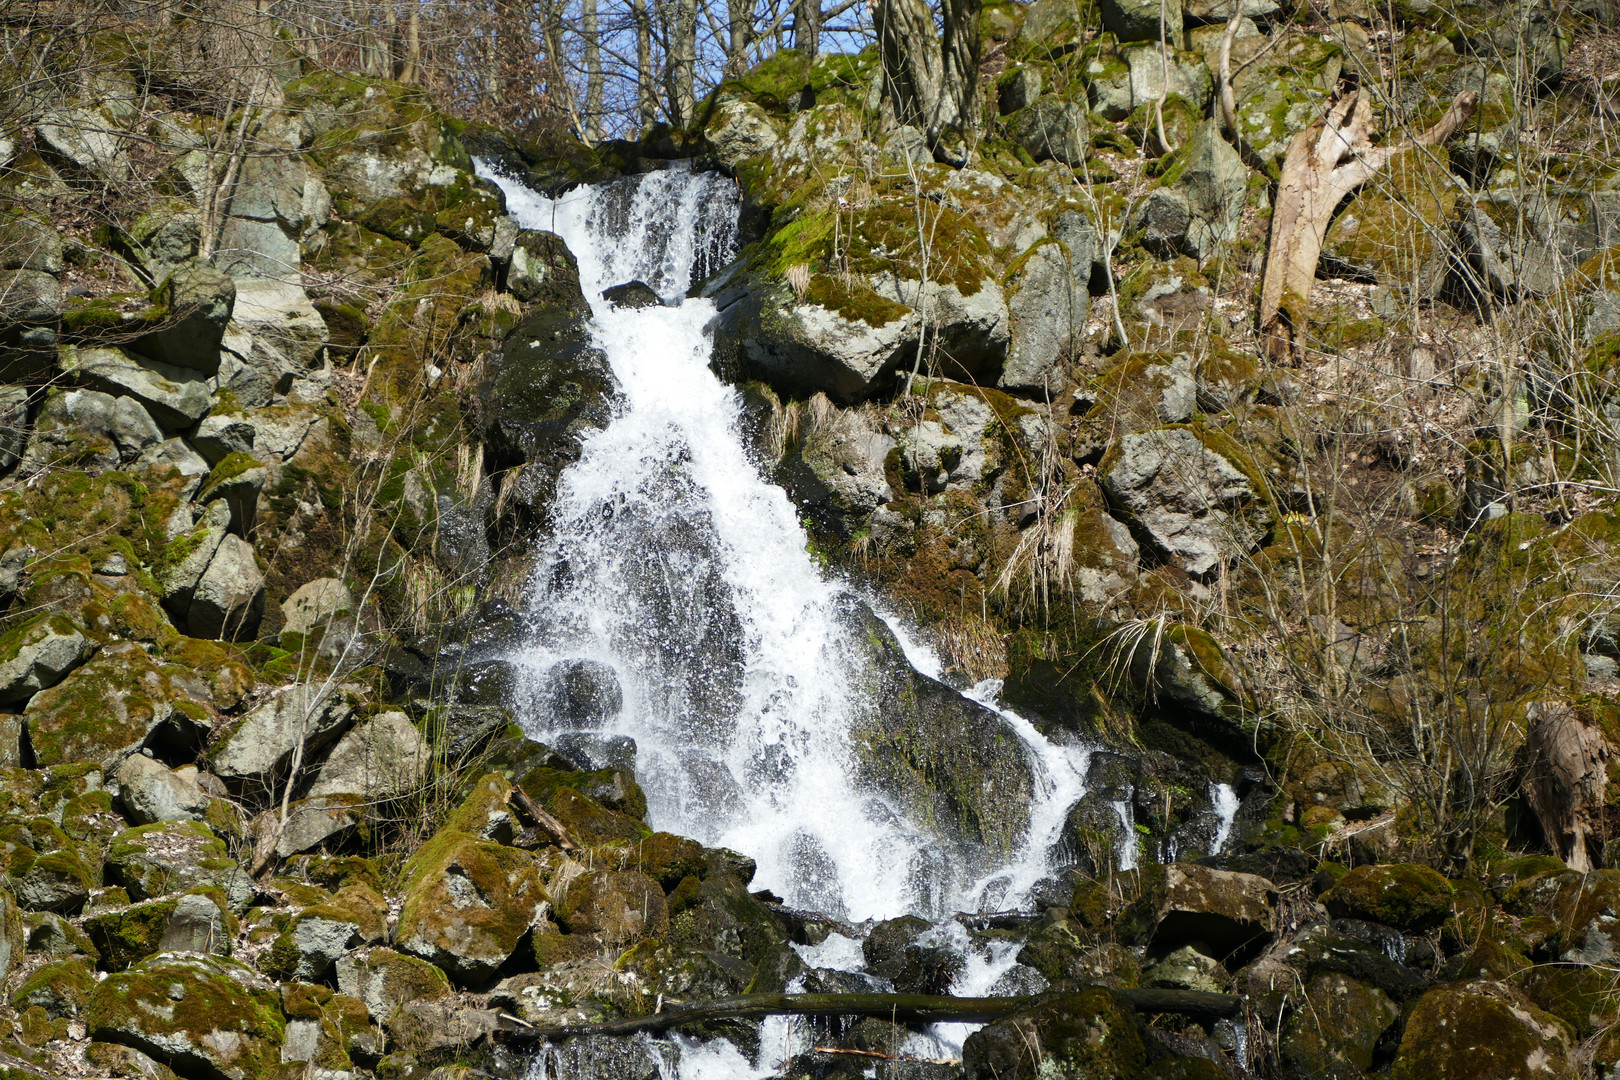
(676, 565)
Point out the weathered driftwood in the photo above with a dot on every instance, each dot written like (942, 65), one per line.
(1566, 781)
(908, 1008)
(1325, 162)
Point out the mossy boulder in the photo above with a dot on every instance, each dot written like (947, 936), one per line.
(128, 935)
(210, 1016)
(62, 989)
(1397, 227)
(1219, 911)
(1403, 895)
(1088, 1035)
(1482, 1031)
(619, 906)
(468, 902)
(173, 856)
(1337, 1030)
(718, 915)
(43, 868)
(385, 980)
(38, 654)
(1191, 491)
(103, 711)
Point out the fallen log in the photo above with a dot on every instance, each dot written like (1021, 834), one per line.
(906, 1008)
(1325, 162)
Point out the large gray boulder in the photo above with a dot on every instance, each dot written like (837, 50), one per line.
(30, 243)
(383, 758)
(279, 315)
(86, 141)
(262, 744)
(1052, 129)
(739, 130)
(29, 296)
(174, 397)
(838, 471)
(230, 1027)
(1213, 182)
(1516, 247)
(1183, 490)
(39, 655)
(151, 791)
(178, 577)
(1138, 20)
(803, 348)
(322, 608)
(1048, 298)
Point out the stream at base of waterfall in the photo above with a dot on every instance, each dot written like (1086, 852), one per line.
(679, 579)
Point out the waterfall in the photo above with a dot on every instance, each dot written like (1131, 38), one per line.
(676, 567)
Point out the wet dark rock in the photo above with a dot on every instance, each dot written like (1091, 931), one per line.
(632, 294)
(581, 694)
(819, 1065)
(594, 751)
(944, 757)
(543, 391)
(485, 683)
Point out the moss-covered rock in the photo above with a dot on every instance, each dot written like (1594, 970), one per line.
(1482, 1031)
(128, 935)
(210, 1016)
(173, 856)
(468, 902)
(1402, 895)
(1083, 1036)
(1337, 1030)
(61, 988)
(103, 711)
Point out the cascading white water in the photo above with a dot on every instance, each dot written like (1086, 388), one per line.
(676, 565)
(673, 563)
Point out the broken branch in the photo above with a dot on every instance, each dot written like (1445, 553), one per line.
(905, 1008)
(1325, 163)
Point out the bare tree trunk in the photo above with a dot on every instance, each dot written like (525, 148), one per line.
(911, 63)
(1325, 162)
(807, 26)
(959, 49)
(593, 71)
(739, 28)
(932, 87)
(646, 98)
(683, 63)
(408, 55)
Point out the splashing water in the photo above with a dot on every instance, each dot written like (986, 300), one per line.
(1226, 805)
(676, 566)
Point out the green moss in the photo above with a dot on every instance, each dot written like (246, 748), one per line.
(129, 935)
(197, 997)
(1402, 895)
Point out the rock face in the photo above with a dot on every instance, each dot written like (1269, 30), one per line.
(152, 792)
(208, 1015)
(1220, 910)
(263, 744)
(949, 761)
(1184, 493)
(382, 758)
(42, 653)
(1482, 1029)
